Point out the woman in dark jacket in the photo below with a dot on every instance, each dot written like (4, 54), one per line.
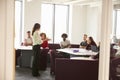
(90, 43)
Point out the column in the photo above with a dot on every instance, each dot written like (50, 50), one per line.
(7, 55)
(105, 39)
(2, 40)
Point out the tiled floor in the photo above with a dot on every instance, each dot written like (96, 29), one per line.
(25, 74)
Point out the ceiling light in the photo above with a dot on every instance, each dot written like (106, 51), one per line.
(29, 0)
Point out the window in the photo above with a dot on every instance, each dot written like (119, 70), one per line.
(61, 21)
(18, 23)
(113, 28)
(47, 20)
(53, 22)
(116, 23)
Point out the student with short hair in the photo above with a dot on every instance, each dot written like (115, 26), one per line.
(83, 44)
(65, 43)
(28, 41)
(44, 51)
(44, 40)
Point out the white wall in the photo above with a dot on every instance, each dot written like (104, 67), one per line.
(32, 14)
(77, 23)
(93, 22)
(84, 20)
(2, 40)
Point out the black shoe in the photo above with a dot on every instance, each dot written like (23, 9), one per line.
(36, 75)
(42, 69)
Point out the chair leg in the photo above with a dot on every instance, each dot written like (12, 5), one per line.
(52, 73)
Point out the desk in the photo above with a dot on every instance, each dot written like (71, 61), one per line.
(26, 56)
(80, 52)
(69, 69)
(24, 48)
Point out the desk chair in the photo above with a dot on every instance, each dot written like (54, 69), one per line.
(53, 56)
(70, 69)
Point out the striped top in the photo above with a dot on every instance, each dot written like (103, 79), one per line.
(36, 38)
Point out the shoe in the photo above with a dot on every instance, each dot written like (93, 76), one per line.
(36, 75)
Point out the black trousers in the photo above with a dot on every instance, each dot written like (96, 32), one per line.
(18, 54)
(36, 59)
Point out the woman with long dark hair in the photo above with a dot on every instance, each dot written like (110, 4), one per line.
(36, 49)
(90, 43)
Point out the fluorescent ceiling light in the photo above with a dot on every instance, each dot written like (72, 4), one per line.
(29, 0)
(75, 1)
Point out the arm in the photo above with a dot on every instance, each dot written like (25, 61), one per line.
(68, 46)
(47, 39)
(83, 45)
(61, 45)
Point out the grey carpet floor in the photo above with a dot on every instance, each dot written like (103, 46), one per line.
(25, 74)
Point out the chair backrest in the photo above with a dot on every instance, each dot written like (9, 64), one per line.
(67, 69)
(112, 50)
(75, 45)
(54, 46)
(52, 55)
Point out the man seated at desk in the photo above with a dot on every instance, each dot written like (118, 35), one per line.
(65, 43)
(28, 41)
(83, 44)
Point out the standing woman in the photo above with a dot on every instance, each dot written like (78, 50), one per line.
(36, 49)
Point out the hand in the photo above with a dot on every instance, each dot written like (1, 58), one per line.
(47, 39)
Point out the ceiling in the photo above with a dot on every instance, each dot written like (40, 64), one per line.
(79, 2)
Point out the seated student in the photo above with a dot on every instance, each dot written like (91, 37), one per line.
(65, 43)
(28, 41)
(44, 51)
(45, 40)
(118, 51)
(114, 62)
(90, 43)
(83, 44)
